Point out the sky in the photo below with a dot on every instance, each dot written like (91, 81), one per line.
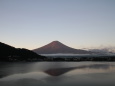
(77, 23)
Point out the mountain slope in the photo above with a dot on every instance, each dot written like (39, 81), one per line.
(9, 53)
(57, 47)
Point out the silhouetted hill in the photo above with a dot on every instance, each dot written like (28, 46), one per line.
(9, 53)
(57, 47)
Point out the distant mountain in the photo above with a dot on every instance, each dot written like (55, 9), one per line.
(57, 47)
(9, 53)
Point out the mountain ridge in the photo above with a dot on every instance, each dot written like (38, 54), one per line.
(10, 53)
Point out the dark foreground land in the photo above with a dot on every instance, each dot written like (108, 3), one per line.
(57, 59)
(9, 53)
(81, 58)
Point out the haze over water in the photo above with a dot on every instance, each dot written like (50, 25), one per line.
(57, 73)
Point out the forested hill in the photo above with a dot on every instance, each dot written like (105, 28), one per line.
(10, 53)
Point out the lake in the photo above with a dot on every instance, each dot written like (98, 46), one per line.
(57, 74)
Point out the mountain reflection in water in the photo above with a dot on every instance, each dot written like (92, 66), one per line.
(58, 74)
(60, 71)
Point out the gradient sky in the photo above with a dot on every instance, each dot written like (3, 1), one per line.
(77, 23)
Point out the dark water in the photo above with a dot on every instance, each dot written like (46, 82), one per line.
(57, 74)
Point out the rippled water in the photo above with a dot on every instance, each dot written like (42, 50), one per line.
(57, 74)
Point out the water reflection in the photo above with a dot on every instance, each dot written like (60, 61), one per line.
(50, 71)
(61, 71)
(51, 74)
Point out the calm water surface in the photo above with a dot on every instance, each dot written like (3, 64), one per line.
(57, 74)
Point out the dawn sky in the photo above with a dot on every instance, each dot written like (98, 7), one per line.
(77, 23)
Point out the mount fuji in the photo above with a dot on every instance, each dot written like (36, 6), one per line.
(57, 47)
